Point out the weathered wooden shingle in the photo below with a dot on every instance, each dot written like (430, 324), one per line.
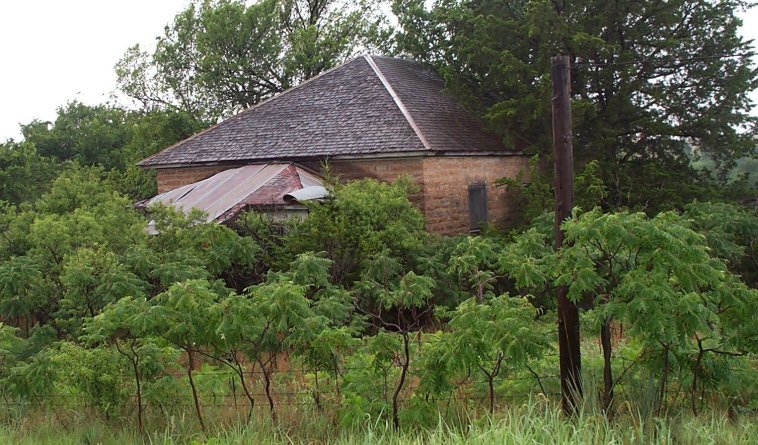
(442, 120)
(369, 105)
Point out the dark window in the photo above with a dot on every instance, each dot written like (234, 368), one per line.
(477, 206)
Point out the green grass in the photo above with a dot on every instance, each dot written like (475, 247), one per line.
(532, 423)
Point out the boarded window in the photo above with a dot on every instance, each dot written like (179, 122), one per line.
(477, 206)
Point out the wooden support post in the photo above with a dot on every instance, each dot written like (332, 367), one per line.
(568, 313)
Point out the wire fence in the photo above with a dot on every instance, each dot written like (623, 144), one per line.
(303, 386)
(301, 392)
(291, 387)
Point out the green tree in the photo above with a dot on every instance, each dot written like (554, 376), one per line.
(265, 321)
(20, 294)
(731, 232)
(499, 333)
(92, 278)
(93, 374)
(657, 276)
(78, 216)
(220, 56)
(189, 247)
(362, 219)
(149, 133)
(473, 262)
(103, 136)
(26, 367)
(11, 349)
(118, 326)
(82, 245)
(649, 80)
(184, 317)
(91, 135)
(14, 229)
(331, 331)
(397, 303)
(24, 173)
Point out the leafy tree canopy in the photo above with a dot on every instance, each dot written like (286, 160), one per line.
(104, 136)
(24, 173)
(364, 219)
(649, 80)
(219, 56)
(91, 135)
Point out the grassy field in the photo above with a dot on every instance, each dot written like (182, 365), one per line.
(523, 415)
(532, 423)
(522, 418)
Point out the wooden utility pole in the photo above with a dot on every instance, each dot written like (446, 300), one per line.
(568, 313)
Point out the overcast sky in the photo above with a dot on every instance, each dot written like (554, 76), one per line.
(55, 51)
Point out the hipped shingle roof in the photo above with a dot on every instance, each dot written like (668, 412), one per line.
(368, 105)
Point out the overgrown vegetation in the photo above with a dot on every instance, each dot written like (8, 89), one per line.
(354, 324)
(410, 330)
(533, 423)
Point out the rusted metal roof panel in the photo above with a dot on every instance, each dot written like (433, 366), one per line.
(227, 193)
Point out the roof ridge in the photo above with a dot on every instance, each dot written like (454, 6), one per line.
(250, 109)
(405, 112)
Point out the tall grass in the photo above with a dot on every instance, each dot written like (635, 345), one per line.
(522, 417)
(535, 422)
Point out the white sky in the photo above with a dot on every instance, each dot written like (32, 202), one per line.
(55, 51)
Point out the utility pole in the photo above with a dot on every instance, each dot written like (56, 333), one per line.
(568, 313)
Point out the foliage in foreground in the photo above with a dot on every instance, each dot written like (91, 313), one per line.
(382, 321)
(533, 422)
(376, 321)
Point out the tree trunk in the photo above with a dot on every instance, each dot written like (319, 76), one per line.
(491, 385)
(317, 395)
(337, 379)
(664, 381)
(605, 340)
(138, 380)
(695, 372)
(233, 384)
(536, 377)
(404, 370)
(134, 360)
(190, 357)
(491, 379)
(267, 388)
(250, 399)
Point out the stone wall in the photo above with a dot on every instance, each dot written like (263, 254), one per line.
(446, 183)
(386, 170)
(171, 178)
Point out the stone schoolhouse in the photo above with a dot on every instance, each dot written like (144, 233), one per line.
(372, 116)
